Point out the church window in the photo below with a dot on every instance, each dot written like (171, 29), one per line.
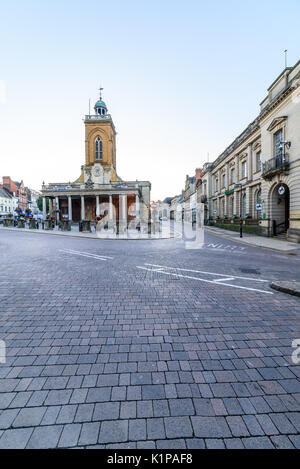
(98, 145)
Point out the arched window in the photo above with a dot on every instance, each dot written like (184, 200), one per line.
(98, 148)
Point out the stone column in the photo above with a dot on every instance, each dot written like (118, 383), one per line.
(237, 169)
(237, 194)
(249, 162)
(226, 209)
(227, 182)
(110, 209)
(233, 208)
(44, 208)
(70, 207)
(57, 208)
(82, 208)
(124, 208)
(97, 206)
(122, 213)
(249, 200)
(137, 207)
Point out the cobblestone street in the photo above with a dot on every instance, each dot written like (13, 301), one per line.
(146, 344)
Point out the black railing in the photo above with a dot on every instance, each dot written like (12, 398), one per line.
(277, 162)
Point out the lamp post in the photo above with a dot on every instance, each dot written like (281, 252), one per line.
(240, 185)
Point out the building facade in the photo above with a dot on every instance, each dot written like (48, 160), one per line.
(17, 191)
(6, 202)
(99, 190)
(32, 201)
(258, 175)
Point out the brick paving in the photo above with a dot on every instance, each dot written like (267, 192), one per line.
(101, 354)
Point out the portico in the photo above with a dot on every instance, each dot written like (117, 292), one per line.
(77, 207)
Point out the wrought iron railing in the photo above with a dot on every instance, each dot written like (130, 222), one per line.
(280, 161)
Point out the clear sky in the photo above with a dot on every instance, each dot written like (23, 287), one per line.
(181, 79)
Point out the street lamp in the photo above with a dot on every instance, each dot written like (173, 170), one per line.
(240, 185)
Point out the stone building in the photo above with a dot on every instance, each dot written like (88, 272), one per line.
(258, 175)
(99, 190)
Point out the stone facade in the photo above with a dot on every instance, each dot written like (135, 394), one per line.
(258, 175)
(99, 191)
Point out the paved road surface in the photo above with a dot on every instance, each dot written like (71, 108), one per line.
(146, 344)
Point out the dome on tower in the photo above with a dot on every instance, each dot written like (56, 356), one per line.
(100, 103)
(100, 106)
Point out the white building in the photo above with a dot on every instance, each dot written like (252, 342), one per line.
(7, 202)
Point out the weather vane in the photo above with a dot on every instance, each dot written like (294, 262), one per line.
(100, 89)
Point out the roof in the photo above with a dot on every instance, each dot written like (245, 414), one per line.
(100, 103)
(4, 193)
(168, 200)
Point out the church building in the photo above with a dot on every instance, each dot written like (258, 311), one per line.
(99, 190)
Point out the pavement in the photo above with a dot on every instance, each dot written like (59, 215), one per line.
(94, 234)
(275, 244)
(150, 344)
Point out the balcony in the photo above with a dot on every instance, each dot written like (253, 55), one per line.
(278, 164)
(97, 117)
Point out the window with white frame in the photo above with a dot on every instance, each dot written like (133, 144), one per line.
(278, 144)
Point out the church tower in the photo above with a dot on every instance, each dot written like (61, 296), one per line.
(100, 145)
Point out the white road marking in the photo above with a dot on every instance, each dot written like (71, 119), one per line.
(224, 279)
(86, 254)
(209, 273)
(216, 282)
(89, 253)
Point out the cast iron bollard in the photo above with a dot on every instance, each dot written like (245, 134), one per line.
(65, 225)
(32, 224)
(86, 226)
(48, 225)
(8, 222)
(21, 223)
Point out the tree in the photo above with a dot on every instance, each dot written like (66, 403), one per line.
(39, 203)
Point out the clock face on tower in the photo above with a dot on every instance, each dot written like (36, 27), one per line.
(97, 171)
